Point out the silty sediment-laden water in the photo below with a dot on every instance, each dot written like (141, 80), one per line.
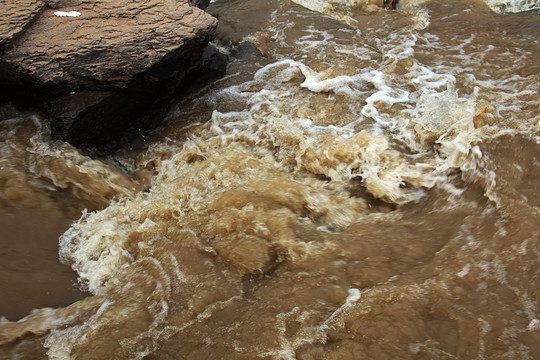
(362, 186)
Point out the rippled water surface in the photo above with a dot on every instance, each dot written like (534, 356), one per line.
(362, 184)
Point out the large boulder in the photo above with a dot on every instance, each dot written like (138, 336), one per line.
(97, 65)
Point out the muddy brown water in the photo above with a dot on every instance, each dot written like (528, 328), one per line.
(364, 185)
(31, 275)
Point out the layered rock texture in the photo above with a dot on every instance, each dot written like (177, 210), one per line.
(97, 65)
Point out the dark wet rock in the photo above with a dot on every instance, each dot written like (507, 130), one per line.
(96, 73)
(201, 4)
(246, 50)
(214, 60)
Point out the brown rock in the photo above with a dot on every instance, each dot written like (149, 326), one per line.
(16, 17)
(118, 53)
(109, 44)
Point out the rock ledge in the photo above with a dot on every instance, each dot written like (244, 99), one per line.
(96, 72)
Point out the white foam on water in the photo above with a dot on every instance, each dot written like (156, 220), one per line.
(314, 38)
(61, 341)
(315, 5)
(421, 18)
(309, 334)
(340, 9)
(534, 324)
(464, 271)
(93, 248)
(388, 95)
(435, 111)
(318, 82)
(337, 316)
(512, 6)
(41, 163)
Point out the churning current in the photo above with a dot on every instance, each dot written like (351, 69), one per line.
(362, 184)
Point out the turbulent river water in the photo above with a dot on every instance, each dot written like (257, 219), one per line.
(362, 184)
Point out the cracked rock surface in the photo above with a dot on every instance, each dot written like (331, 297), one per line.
(108, 48)
(16, 17)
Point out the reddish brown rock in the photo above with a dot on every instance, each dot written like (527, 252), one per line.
(16, 17)
(113, 61)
